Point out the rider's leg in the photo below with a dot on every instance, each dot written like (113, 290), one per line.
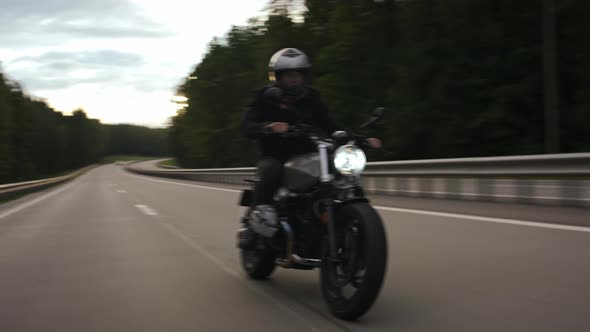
(270, 175)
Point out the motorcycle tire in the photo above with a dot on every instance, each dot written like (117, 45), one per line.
(369, 235)
(258, 263)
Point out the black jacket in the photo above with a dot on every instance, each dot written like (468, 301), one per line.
(309, 110)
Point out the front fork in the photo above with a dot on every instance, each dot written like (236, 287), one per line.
(326, 196)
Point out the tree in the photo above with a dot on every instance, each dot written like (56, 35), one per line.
(37, 141)
(461, 78)
(5, 132)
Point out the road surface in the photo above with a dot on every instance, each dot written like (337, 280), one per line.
(114, 251)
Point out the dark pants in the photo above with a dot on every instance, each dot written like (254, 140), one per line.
(270, 174)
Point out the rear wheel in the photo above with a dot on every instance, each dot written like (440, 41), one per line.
(351, 284)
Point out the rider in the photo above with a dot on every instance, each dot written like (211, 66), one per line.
(269, 115)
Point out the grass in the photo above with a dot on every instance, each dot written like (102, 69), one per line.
(169, 162)
(112, 159)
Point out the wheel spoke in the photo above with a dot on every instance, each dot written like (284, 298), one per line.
(348, 274)
(360, 259)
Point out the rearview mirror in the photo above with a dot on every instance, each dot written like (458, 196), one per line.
(378, 112)
(376, 115)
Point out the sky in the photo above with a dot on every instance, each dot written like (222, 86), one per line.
(119, 60)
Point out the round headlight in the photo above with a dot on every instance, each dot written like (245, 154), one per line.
(349, 160)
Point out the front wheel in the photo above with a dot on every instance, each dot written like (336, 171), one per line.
(352, 282)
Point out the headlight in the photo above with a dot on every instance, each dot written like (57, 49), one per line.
(349, 160)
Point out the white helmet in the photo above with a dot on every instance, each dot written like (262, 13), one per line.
(287, 59)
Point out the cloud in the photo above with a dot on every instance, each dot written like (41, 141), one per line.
(47, 22)
(57, 70)
(120, 60)
(90, 58)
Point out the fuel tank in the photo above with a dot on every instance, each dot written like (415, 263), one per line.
(302, 172)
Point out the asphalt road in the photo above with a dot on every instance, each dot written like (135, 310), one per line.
(114, 251)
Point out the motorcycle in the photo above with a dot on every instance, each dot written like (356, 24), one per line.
(321, 218)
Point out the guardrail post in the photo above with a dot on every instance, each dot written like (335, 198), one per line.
(571, 193)
(524, 191)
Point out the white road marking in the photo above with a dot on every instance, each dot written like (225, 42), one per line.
(34, 201)
(218, 262)
(186, 184)
(224, 267)
(488, 219)
(146, 209)
(428, 213)
(122, 191)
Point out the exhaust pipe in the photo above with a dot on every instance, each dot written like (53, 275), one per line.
(292, 257)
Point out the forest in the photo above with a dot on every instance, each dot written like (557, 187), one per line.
(37, 141)
(459, 78)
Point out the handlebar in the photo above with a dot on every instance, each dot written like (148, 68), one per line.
(302, 130)
(338, 138)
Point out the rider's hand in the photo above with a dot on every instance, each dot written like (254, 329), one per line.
(278, 127)
(374, 143)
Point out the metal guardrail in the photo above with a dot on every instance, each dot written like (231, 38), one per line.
(557, 179)
(563, 165)
(15, 188)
